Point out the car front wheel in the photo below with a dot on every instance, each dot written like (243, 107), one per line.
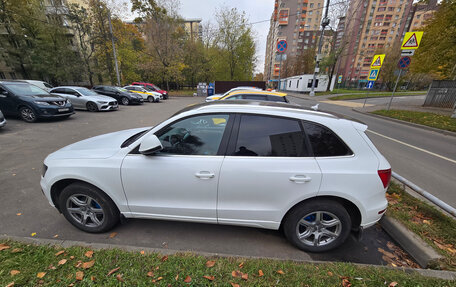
(87, 208)
(150, 99)
(318, 225)
(27, 114)
(92, 107)
(125, 101)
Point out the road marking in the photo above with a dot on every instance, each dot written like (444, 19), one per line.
(346, 104)
(412, 146)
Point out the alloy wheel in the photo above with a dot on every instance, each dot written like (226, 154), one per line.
(85, 210)
(28, 115)
(125, 101)
(318, 228)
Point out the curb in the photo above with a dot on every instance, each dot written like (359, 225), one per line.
(424, 254)
(448, 133)
(439, 274)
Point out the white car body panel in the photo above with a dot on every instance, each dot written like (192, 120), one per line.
(81, 101)
(250, 191)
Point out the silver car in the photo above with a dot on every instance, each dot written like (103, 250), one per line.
(85, 99)
(2, 120)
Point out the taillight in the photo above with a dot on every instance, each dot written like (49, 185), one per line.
(385, 176)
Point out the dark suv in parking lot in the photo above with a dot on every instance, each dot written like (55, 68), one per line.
(32, 103)
(122, 95)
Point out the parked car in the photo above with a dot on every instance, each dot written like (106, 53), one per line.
(257, 164)
(149, 89)
(152, 87)
(122, 95)
(147, 95)
(2, 120)
(85, 99)
(40, 84)
(218, 96)
(255, 95)
(31, 103)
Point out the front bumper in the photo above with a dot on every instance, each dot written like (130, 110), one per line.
(54, 112)
(109, 107)
(2, 122)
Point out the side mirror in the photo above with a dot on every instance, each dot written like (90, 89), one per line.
(151, 144)
(4, 93)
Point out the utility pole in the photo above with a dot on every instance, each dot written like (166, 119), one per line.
(325, 22)
(114, 48)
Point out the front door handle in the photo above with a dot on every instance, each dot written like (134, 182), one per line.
(300, 178)
(204, 174)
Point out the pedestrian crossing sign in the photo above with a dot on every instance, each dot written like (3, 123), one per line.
(377, 61)
(412, 40)
(373, 74)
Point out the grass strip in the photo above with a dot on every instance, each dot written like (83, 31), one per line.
(32, 265)
(422, 118)
(370, 95)
(182, 93)
(429, 223)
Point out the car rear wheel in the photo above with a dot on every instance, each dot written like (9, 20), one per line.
(317, 226)
(157, 100)
(150, 99)
(27, 114)
(92, 107)
(125, 101)
(87, 208)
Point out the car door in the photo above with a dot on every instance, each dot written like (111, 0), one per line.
(267, 170)
(76, 98)
(179, 182)
(8, 102)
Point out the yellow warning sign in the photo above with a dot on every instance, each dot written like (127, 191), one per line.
(412, 40)
(377, 61)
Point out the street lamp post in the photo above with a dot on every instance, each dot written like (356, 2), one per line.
(324, 23)
(114, 49)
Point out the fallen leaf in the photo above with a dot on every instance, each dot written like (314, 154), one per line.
(60, 252)
(142, 252)
(346, 283)
(393, 284)
(159, 278)
(210, 264)
(119, 278)
(33, 234)
(236, 274)
(330, 273)
(92, 278)
(18, 214)
(150, 274)
(79, 275)
(280, 272)
(427, 222)
(16, 250)
(10, 285)
(55, 236)
(177, 277)
(188, 279)
(71, 257)
(78, 264)
(210, 278)
(245, 276)
(40, 274)
(164, 258)
(51, 267)
(260, 273)
(113, 271)
(112, 235)
(63, 261)
(241, 265)
(87, 265)
(14, 272)
(235, 284)
(3, 246)
(89, 254)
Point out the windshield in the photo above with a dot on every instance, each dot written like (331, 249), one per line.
(23, 89)
(122, 90)
(156, 87)
(86, 92)
(149, 89)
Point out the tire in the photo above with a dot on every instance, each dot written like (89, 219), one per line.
(100, 213)
(302, 219)
(92, 107)
(150, 99)
(125, 101)
(27, 114)
(157, 100)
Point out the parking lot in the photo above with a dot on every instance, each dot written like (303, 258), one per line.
(24, 210)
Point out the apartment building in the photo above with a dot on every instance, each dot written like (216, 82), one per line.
(193, 28)
(422, 12)
(370, 25)
(297, 22)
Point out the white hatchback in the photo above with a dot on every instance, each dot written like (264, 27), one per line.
(257, 164)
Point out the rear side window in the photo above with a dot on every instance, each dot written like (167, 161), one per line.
(270, 136)
(255, 97)
(325, 142)
(277, 99)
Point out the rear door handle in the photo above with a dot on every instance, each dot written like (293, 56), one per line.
(300, 178)
(204, 174)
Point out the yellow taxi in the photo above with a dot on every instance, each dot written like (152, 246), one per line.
(146, 94)
(256, 95)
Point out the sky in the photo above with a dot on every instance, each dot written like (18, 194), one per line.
(256, 10)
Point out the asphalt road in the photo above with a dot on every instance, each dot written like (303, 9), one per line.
(23, 148)
(425, 157)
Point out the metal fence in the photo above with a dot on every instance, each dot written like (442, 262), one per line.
(441, 94)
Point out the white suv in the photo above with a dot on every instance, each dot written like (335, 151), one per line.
(257, 164)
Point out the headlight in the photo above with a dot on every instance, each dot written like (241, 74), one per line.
(100, 102)
(67, 102)
(42, 103)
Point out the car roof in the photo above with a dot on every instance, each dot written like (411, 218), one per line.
(71, 87)
(257, 92)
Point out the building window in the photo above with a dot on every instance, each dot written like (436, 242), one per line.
(311, 5)
(283, 16)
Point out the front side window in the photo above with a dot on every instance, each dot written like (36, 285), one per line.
(270, 136)
(86, 92)
(199, 135)
(325, 142)
(237, 97)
